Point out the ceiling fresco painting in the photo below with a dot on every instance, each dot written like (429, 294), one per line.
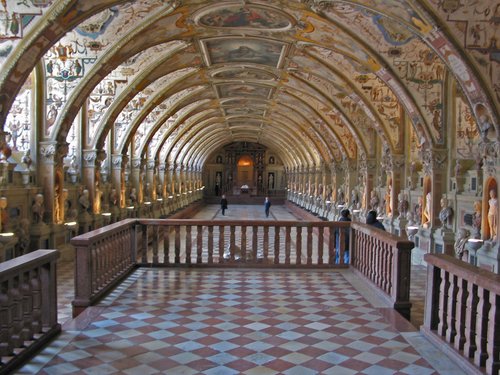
(170, 80)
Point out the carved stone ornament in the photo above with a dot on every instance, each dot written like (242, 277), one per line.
(89, 158)
(151, 164)
(48, 151)
(162, 167)
(116, 161)
(136, 163)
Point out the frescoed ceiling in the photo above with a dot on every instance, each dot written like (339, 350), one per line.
(313, 80)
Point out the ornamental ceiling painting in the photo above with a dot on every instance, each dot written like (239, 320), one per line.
(313, 80)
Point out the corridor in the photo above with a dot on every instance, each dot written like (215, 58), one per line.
(244, 321)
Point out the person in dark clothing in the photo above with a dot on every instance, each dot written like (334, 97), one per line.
(371, 219)
(267, 206)
(345, 215)
(223, 204)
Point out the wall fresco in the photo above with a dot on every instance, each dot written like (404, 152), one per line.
(248, 16)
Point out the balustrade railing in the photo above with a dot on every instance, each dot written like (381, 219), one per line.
(102, 258)
(28, 306)
(106, 255)
(385, 260)
(462, 310)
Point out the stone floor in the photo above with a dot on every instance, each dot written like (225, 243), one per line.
(245, 321)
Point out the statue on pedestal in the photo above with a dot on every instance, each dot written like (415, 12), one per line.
(446, 213)
(38, 209)
(461, 242)
(493, 214)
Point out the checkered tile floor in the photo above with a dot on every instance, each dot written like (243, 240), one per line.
(175, 321)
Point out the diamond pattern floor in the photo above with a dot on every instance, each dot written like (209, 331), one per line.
(177, 321)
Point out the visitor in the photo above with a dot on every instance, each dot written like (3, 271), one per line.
(345, 215)
(371, 219)
(223, 204)
(267, 206)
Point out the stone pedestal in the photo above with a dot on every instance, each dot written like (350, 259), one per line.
(98, 221)
(40, 237)
(399, 226)
(488, 257)
(62, 235)
(8, 243)
(444, 240)
(84, 223)
(423, 245)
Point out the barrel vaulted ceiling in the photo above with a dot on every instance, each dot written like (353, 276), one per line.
(314, 81)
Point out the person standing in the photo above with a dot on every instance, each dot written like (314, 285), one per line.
(345, 215)
(267, 206)
(223, 204)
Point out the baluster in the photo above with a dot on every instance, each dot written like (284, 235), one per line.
(166, 245)
(188, 244)
(493, 346)
(36, 288)
(266, 243)
(210, 244)
(232, 243)
(451, 307)
(144, 244)
(155, 244)
(221, 243)
(443, 296)
(320, 245)
(94, 274)
(16, 309)
(460, 310)
(288, 242)
(470, 320)
(27, 298)
(298, 243)
(244, 243)
(177, 244)
(331, 245)
(309, 244)
(199, 244)
(388, 267)
(481, 326)
(277, 245)
(255, 230)
(6, 346)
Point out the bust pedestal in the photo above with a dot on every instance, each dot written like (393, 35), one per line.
(444, 240)
(39, 236)
(488, 256)
(84, 222)
(399, 226)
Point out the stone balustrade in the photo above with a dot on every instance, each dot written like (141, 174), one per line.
(462, 312)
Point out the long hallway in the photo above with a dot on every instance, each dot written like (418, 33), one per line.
(244, 321)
